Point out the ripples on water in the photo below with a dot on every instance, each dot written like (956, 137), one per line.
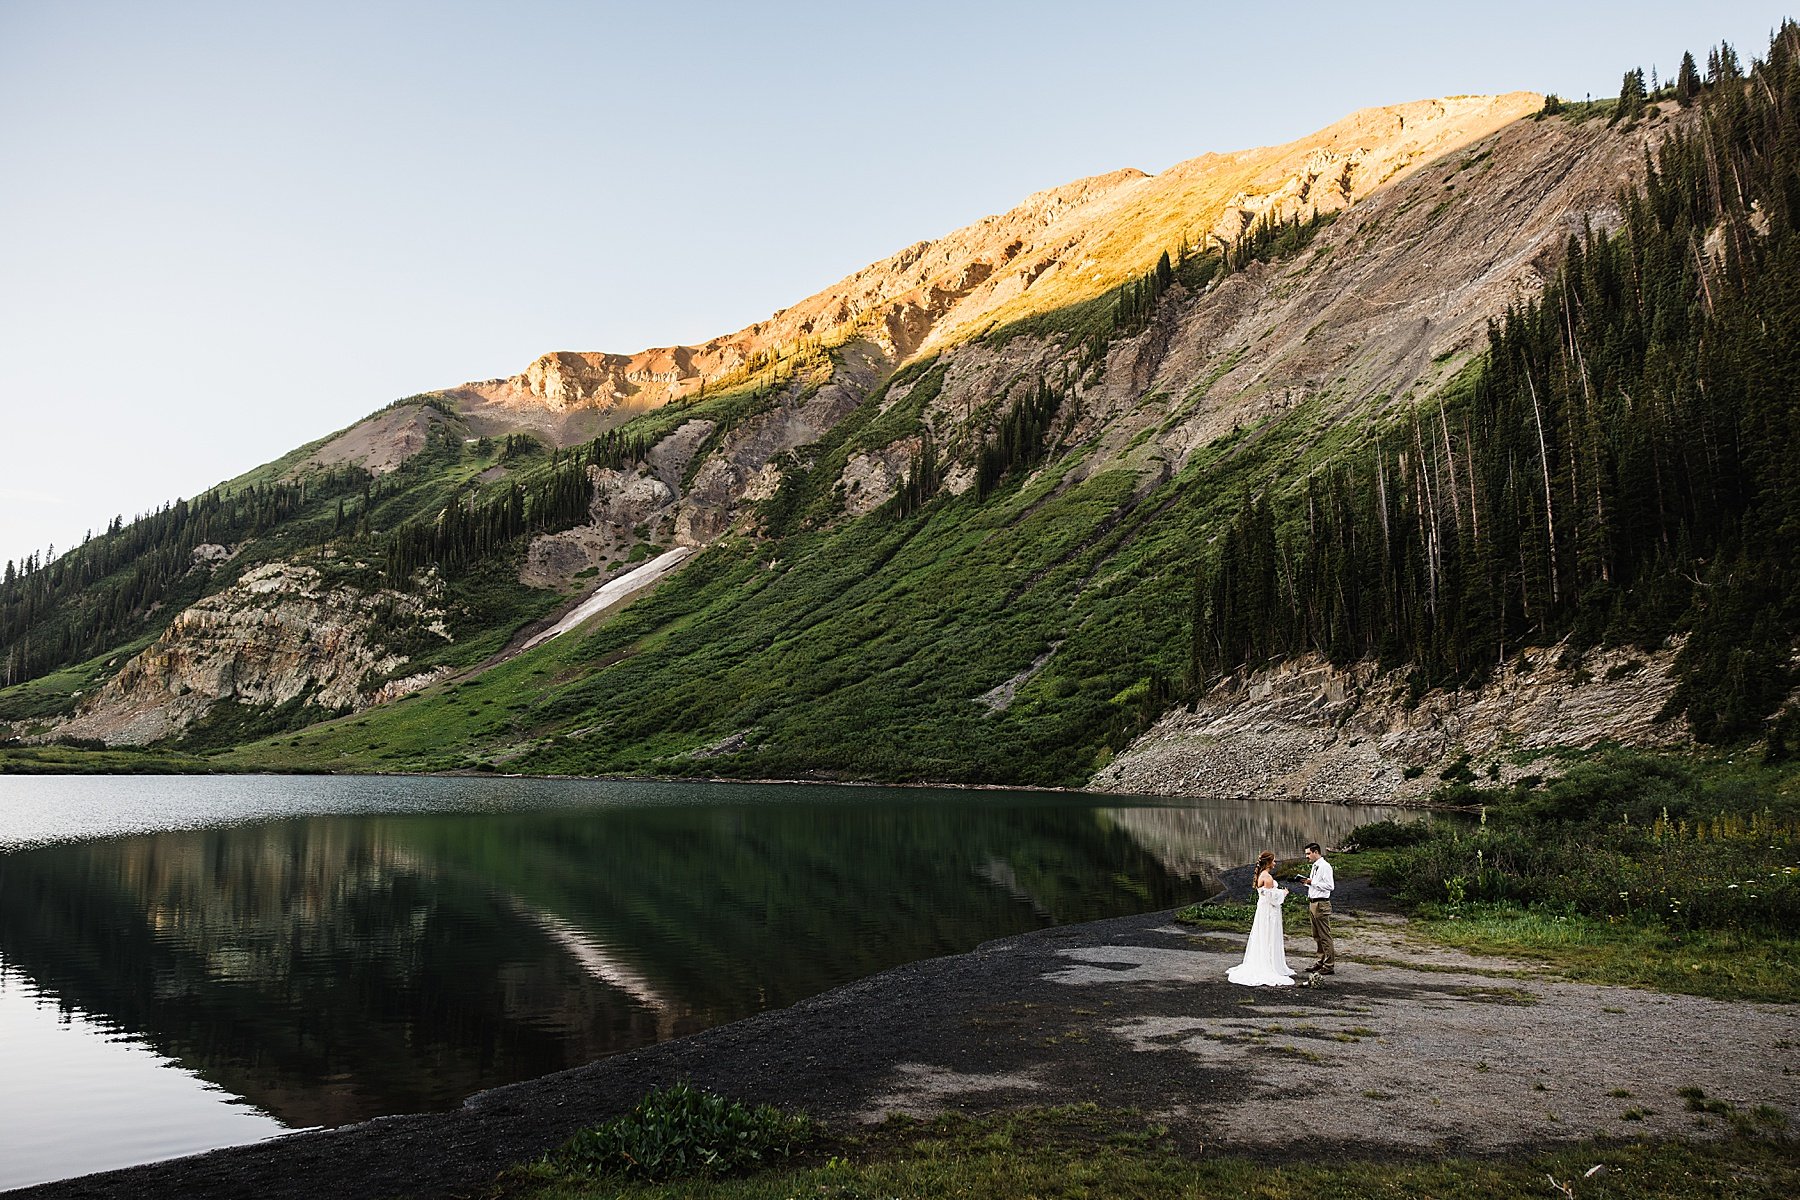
(196, 961)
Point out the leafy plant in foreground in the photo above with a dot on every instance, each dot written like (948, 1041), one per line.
(682, 1131)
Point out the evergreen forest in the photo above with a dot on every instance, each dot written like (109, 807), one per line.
(1620, 465)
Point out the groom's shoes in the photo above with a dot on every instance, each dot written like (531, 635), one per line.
(1320, 968)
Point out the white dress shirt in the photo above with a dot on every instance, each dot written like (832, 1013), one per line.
(1320, 883)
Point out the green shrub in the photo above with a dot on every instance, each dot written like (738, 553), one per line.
(1616, 788)
(1389, 834)
(1237, 916)
(1458, 771)
(1729, 873)
(681, 1131)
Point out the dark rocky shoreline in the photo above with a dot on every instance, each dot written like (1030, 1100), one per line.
(833, 1056)
(1450, 1054)
(828, 1055)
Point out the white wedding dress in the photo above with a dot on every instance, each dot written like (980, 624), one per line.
(1265, 957)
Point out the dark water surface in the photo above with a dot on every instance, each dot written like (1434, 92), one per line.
(194, 962)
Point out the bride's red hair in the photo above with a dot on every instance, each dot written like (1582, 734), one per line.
(1264, 861)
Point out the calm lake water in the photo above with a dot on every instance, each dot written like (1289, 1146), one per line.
(188, 963)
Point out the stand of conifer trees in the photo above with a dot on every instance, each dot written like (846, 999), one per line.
(58, 610)
(1137, 298)
(922, 479)
(1269, 238)
(1020, 441)
(473, 527)
(1272, 238)
(1626, 464)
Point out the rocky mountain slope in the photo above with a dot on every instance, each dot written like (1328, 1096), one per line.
(280, 637)
(1306, 730)
(1386, 302)
(821, 607)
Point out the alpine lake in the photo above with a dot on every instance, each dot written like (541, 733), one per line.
(194, 962)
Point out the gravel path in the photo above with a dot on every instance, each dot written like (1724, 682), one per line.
(1409, 1048)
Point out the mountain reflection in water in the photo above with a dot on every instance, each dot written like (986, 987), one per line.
(336, 967)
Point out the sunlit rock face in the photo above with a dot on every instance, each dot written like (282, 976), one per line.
(1057, 247)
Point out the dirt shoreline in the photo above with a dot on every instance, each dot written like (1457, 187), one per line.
(1409, 1049)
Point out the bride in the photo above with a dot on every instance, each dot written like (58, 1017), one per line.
(1265, 957)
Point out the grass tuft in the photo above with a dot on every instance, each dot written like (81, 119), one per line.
(1099, 1154)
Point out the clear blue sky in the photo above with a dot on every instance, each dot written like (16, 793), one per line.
(226, 229)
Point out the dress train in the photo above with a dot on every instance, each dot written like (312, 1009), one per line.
(1265, 955)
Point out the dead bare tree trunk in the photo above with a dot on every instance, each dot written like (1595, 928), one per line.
(1450, 461)
(1549, 503)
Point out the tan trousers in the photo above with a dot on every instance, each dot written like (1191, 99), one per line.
(1321, 930)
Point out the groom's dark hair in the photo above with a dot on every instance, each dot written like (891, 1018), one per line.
(1312, 846)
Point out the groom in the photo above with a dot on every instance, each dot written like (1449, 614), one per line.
(1320, 883)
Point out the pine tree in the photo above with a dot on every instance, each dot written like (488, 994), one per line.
(1631, 97)
(1687, 80)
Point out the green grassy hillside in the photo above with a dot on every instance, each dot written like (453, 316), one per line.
(860, 650)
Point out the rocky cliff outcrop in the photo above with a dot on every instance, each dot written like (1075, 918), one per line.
(872, 478)
(699, 481)
(623, 502)
(744, 468)
(279, 634)
(1310, 731)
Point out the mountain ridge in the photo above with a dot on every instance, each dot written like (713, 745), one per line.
(904, 378)
(903, 296)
